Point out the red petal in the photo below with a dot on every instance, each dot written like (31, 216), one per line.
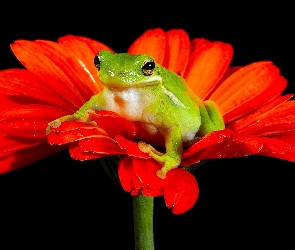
(136, 191)
(126, 173)
(286, 137)
(76, 69)
(152, 192)
(15, 143)
(146, 169)
(195, 153)
(206, 66)
(279, 119)
(78, 153)
(76, 131)
(277, 148)
(151, 42)
(177, 51)
(226, 75)
(100, 145)
(245, 84)
(210, 139)
(197, 44)
(181, 190)
(94, 45)
(30, 121)
(20, 158)
(137, 182)
(15, 102)
(255, 117)
(49, 68)
(22, 82)
(130, 147)
(241, 145)
(114, 124)
(258, 101)
(194, 159)
(82, 51)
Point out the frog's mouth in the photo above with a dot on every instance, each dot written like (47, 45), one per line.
(152, 80)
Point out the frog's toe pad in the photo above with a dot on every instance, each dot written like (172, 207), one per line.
(149, 149)
(161, 174)
(54, 124)
(144, 147)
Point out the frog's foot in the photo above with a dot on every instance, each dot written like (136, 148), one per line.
(149, 149)
(169, 164)
(54, 124)
(166, 160)
(84, 118)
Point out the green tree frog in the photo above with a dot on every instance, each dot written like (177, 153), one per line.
(139, 89)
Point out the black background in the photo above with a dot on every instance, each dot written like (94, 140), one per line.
(61, 202)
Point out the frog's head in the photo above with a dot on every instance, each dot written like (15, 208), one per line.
(124, 70)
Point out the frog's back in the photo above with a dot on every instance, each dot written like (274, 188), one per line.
(185, 110)
(175, 84)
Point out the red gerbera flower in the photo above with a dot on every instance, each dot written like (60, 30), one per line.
(61, 77)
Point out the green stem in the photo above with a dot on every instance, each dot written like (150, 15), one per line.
(143, 222)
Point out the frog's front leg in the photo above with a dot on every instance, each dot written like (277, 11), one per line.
(94, 104)
(74, 117)
(171, 159)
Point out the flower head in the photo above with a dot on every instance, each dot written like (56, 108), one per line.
(60, 77)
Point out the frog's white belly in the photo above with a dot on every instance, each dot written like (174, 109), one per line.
(129, 102)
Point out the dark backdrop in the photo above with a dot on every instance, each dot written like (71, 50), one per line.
(62, 202)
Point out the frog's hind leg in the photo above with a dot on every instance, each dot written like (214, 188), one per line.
(211, 117)
(169, 160)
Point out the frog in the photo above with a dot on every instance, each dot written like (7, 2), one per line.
(139, 89)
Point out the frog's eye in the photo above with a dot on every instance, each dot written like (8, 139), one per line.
(97, 62)
(148, 67)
